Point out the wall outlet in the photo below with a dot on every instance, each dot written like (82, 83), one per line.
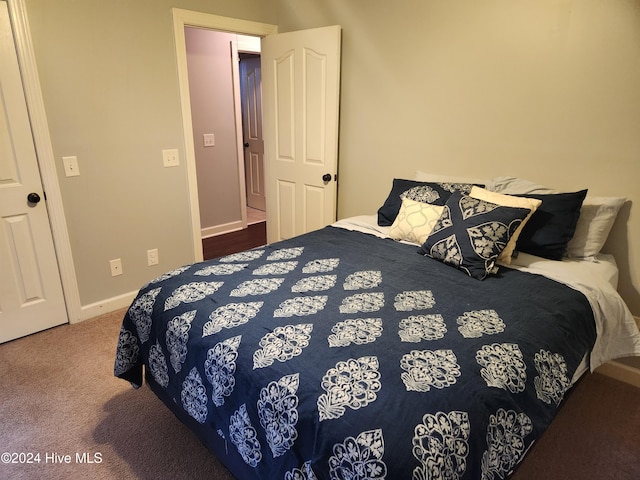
(170, 157)
(152, 257)
(116, 267)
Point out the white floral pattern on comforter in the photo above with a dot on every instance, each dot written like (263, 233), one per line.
(338, 355)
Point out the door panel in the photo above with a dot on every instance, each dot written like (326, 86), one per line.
(251, 88)
(22, 254)
(301, 82)
(284, 106)
(285, 207)
(315, 109)
(31, 297)
(313, 203)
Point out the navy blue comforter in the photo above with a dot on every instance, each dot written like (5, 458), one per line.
(339, 355)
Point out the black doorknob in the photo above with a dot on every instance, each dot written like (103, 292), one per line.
(246, 144)
(33, 197)
(326, 177)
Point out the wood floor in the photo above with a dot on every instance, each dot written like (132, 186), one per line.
(254, 235)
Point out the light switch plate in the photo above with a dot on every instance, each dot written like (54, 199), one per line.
(209, 140)
(152, 257)
(71, 168)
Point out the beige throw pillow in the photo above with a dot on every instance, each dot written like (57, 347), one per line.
(415, 221)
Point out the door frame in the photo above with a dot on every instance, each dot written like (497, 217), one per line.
(46, 158)
(187, 18)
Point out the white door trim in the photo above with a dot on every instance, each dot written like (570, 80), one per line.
(46, 159)
(186, 18)
(235, 77)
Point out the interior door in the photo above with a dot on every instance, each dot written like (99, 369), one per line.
(31, 297)
(301, 92)
(251, 100)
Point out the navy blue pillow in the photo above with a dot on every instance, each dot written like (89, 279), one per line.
(471, 233)
(435, 193)
(552, 226)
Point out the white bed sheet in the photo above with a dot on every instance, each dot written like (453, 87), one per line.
(596, 279)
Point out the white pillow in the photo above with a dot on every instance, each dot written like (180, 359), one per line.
(415, 221)
(597, 215)
(517, 186)
(508, 201)
(421, 176)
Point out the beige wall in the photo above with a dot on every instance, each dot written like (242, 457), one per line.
(544, 89)
(213, 111)
(110, 86)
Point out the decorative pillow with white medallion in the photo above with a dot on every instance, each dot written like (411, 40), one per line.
(471, 233)
(508, 201)
(425, 192)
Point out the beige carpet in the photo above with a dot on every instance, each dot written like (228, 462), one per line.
(58, 397)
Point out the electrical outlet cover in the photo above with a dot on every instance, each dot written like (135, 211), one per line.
(116, 267)
(170, 157)
(71, 167)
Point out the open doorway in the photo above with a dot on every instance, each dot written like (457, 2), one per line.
(250, 105)
(226, 117)
(236, 201)
(309, 198)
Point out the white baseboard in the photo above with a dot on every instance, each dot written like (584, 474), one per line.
(106, 306)
(220, 229)
(622, 371)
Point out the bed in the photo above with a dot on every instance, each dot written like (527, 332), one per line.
(405, 344)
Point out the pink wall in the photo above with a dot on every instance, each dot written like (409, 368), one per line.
(212, 111)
